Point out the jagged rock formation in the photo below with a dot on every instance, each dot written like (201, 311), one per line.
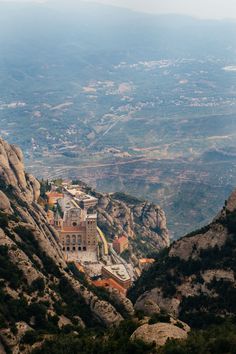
(12, 172)
(36, 287)
(195, 279)
(122, 301)
(139, 220)
(144, 223)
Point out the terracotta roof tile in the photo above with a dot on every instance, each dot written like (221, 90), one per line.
(109, 282)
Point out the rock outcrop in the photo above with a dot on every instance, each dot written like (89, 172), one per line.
(195, 278)
(13, 173)
(158, 333)
(139, 220)
(122, 301)
(144, 223)
(151, 302)
(36, 286)
(4, 202)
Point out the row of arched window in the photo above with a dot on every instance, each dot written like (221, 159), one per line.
(73, 239)
(74, 249)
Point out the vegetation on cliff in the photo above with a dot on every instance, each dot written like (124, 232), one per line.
(195, 278)
(38, 293)
(46, 306)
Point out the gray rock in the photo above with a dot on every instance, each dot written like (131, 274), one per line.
(131, 220)
(147, 301)
(5, 204)
(148, 306)
(32, 224)
(122, 301)
(158, 333)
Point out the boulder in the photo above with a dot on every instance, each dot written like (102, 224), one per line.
(158, 333)
(147, 306)
(64, 321)
(151, 301)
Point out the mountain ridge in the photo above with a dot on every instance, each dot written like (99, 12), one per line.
(194, 279)
(37, 289)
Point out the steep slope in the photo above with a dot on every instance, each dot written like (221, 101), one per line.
(195, 278)
(37, 290)
(144, 223)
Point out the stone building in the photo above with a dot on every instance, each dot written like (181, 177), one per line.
(119, 273)
(120, 244)
(77, 229)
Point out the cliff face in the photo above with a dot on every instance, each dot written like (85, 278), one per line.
(12, 172)
(143, 222)
(37, 291)
(195, 278)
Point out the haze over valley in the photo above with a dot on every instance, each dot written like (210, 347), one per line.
(124, 101)
(117, 176)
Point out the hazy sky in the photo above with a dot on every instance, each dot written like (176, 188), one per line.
(199, 8)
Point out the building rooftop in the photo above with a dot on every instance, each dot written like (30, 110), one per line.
(92, 216)
(74, 191)
(109, 282)
(119, 271)
(85, 198)
(66, 203)
(120, 239)
(54, 194)
(72, 228)
(146, 260)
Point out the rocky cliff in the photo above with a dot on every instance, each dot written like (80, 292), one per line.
(144, 223)
(195, 279)
(37, 290)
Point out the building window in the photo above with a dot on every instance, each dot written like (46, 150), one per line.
(73, 249)
(79, 248)
(68, 248)
(84, 248)
(74, 223)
